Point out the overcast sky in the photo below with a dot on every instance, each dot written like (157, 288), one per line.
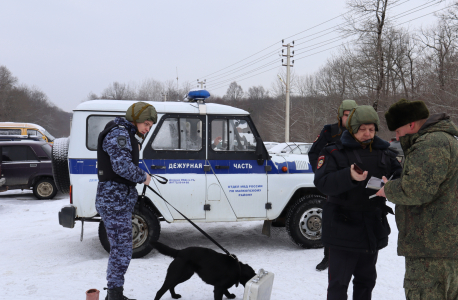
(71, 48)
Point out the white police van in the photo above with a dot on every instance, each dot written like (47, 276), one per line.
(217, 167)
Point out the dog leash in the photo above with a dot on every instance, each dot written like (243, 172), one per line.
(164, 181)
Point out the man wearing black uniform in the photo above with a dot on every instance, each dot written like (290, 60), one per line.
(330, 134)
(355, 226)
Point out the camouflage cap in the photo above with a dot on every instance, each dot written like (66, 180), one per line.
(404, 112)
(140, 112)
(364, 114)
(346, 105)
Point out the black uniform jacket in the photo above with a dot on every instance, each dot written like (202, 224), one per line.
(352, 221)
(330, 134)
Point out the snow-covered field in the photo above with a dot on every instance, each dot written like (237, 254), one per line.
(39, 259)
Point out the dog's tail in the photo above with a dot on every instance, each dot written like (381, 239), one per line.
(166, 250)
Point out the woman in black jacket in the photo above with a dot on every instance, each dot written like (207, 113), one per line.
(355, 226)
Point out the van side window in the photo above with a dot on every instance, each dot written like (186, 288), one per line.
(95, 125)
(179, 134)
(32, 132)
(10, 132)
(232, 135)
(17, 153)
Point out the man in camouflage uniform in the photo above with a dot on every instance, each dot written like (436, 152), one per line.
(118, 172)
(426, 200)
(330, 134)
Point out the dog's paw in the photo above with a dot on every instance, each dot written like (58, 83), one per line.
(231, 296)
(176, 296)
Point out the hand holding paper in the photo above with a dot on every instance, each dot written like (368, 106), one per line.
(381, 192)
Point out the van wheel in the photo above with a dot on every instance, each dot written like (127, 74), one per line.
(303, 222)
(145, 229)
(44, 189)
(59, 160)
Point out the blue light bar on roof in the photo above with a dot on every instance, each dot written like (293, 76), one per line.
(198, 94)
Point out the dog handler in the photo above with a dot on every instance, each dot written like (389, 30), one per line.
(426, 200)
(355, 226)
(330, 134)
(118, 173)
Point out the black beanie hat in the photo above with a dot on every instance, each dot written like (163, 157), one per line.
(404, 112)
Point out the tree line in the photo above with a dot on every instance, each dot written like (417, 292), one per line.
(20, 103)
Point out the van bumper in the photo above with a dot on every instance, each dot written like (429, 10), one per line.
(67, 216)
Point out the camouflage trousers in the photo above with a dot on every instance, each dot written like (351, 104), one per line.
(115, 203)
(431, 278)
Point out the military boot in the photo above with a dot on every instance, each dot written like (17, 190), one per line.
(324, 264)
(116, 294)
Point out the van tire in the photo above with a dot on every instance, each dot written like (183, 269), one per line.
(44, 189)
(303, 221)
(145, 227)
(60, 165)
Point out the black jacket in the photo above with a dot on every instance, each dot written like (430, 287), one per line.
(329, 134)
(352, 221)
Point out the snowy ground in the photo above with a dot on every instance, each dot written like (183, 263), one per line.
(39, 259)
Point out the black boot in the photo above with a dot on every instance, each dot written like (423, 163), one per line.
(324, 264)
(116, 294)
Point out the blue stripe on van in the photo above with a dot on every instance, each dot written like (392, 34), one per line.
(176, 166)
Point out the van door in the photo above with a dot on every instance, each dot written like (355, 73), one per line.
(175, 150)
(234, 166)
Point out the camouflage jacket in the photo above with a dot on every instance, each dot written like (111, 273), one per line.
(426, 194)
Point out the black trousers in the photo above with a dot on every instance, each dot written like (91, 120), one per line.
(342, 265)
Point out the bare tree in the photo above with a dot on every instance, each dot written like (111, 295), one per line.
(234, 92)
(441, 40)
(150, 90)
(257, 93)
(119, 91)
(367, 21)
(7, 82)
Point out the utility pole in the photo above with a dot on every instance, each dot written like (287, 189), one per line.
(288, 85)
(165, 96)
(202, 83)
(177, 80)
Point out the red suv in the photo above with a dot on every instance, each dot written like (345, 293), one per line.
(26, 164)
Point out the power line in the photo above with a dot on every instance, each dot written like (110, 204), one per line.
(276, 43)
(408, 12)
(254, 70)
(259, 59)
(244, 66)
(265, 56)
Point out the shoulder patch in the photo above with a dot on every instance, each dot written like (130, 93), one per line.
(122, 141)
(320, 162)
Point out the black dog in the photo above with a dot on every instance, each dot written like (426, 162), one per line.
(219, 270)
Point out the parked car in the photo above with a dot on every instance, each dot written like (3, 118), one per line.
(270, 144)
(291, 147)
(26, 164)
(232, 180)
(30, 129)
